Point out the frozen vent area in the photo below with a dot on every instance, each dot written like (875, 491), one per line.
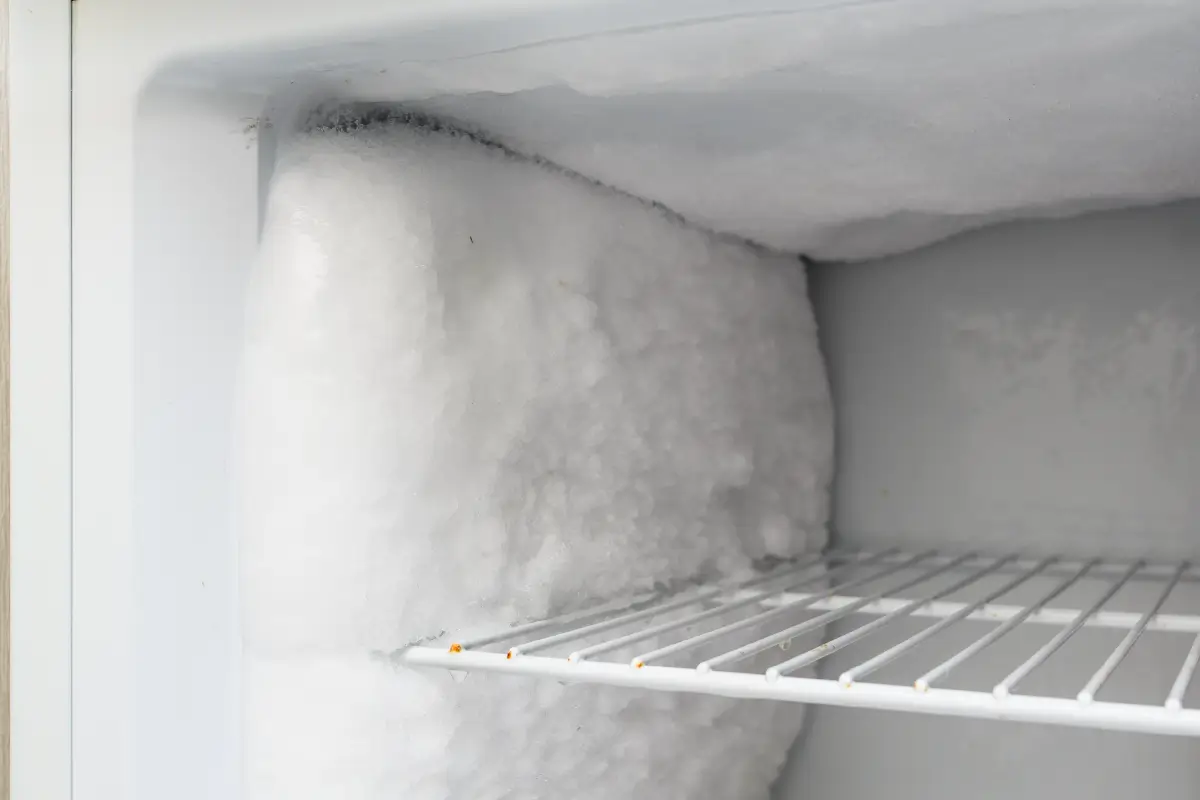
(478, 390)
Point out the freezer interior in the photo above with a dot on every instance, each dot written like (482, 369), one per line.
(986, 224)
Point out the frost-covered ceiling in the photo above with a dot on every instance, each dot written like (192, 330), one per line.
(838, 129)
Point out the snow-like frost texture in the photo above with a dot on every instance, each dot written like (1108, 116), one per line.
(476, 391)
(842, 129)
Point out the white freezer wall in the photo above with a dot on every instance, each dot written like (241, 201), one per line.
(1027, 386)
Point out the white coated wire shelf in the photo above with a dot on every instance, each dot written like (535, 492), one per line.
(923, 619)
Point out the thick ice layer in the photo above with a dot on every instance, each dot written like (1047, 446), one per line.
(837, 129)
(856, 129)
(476, 391)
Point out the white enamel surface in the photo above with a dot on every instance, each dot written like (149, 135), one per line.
(39, 227)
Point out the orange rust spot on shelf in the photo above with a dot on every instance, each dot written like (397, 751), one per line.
(508, 654)
(456, 648)
(640, 664)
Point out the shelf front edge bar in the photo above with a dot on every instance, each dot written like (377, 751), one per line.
(946, 702)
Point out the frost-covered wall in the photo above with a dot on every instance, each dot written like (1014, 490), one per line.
(1033, 386)
(478, 391)
(838, 129)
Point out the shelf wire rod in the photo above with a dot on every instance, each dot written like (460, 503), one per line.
(625, 619)
(618, 606)
(1151, 572)
(612, 607)
(1184, 679)
(923, 683)
(795, 605)
(1005, 687)
(847, 639)
(887, 656)
(1093, 686)
(786, 635)
(724, 608)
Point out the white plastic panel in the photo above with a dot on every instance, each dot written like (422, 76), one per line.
(1029, 384)
(198, 220)
(39, 226)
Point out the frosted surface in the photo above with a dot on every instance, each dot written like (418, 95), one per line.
(838, 129)
(476, 391)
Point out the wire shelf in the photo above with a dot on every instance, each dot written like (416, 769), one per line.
(716, 639)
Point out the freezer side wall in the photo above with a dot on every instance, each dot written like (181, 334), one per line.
(1028, 387)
